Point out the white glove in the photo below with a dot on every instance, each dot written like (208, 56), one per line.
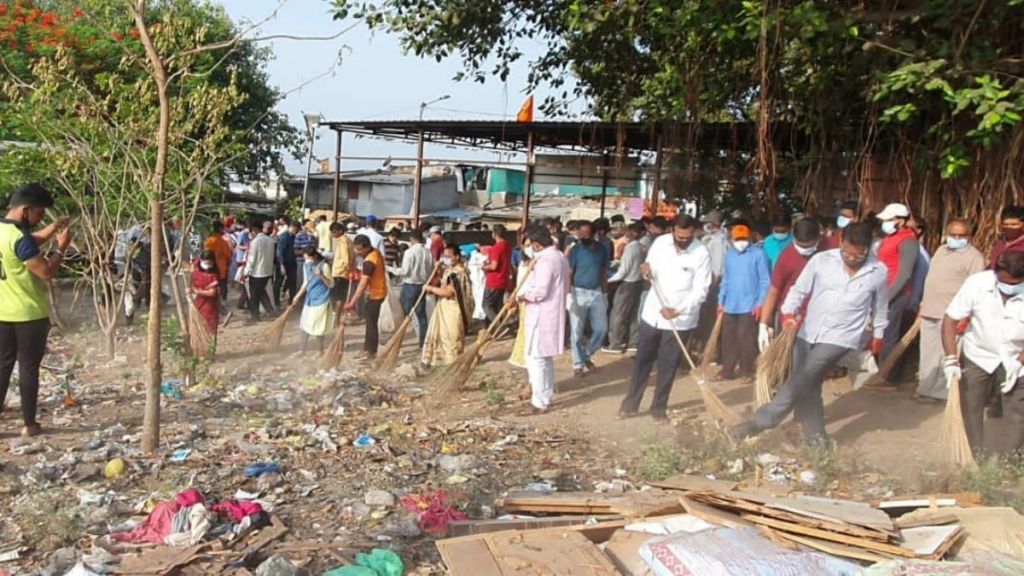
(764, 336)
(951, 372)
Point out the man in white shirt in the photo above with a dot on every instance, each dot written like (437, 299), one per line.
(679, 269)
(624, 327)
(416, 269)
(842, 290)
(992, 361)
(370, 231)
(259, 268)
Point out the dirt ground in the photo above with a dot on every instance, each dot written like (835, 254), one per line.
(238, 409)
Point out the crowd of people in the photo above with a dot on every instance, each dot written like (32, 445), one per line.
(850, 285)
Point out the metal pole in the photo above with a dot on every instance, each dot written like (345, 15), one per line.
(604, 182)
(309, 163)
(417, 190)
(337, 174)
(529, 180)
(655, 190)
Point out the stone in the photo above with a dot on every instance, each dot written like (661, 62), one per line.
(268, 482)
(278, 565)
(404, 525)
(458, 464)
(379, 498)
(62, 560)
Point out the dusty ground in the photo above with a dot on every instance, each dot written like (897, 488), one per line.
(254, 405)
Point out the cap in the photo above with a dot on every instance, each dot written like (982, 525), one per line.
(435, 229)
(33, 195)
(713, 217)
(371, 219)
(740, 232)
(352, 227)
(894, 210)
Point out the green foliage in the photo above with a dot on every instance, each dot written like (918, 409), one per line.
(659, 461)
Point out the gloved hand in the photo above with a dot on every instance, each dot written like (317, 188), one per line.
(950, 369)
(876, 346)
(764, 336)
(349, 306)
(789, 320)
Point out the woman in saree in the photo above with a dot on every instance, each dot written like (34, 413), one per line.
(452, 313)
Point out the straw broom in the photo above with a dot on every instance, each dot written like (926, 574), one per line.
(387, 359)
(275, 332)
(332, 357)
(456, 374)
(954, 435)
(711, 348)
(717, 409)
(200, 337)
(899, 350)
(773, 365)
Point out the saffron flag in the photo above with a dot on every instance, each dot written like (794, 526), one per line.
(525, 113)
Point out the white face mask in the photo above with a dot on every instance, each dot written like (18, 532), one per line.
(309, 261)
(528, 251)
(206, 266)
(446, 261)
(805, 251)
(741, 245)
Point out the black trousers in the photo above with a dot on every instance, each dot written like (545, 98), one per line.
(739, 336)
(493, 301)
(258, 295)
(291, 279)
(654, 347)
(372, 340)
(24, 343)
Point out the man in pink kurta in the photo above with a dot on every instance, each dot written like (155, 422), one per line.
(544, 294)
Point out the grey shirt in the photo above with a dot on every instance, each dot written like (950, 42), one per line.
(717, 246)
(840, 305)
(417, 265)
(629, 265)
(260, 262)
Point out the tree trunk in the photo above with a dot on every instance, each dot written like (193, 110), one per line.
(151, 420)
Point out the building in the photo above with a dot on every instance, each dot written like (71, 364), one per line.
(379, 192)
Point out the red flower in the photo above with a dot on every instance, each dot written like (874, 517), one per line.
(48, 19)
(117, 36)
(134, 32)
(3, 9)
(78, 12)
(34, 14)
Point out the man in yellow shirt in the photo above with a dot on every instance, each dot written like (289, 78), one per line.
(24, 310)
(342, 265)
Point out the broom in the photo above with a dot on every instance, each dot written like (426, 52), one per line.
(387, 359)
(711, 348)
(897, 352)
(954, 435)
(275, 332)
(717, 409)
(332, 357)
(773, 365)
(199, 336)
(456, 374)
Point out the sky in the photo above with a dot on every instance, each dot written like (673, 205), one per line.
(374, 80)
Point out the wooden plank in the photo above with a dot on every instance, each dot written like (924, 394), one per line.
(565, 554)
(863, 543)
(160, 560)
(687, 483)
(925, 518)
(624, 550)
(834, 548)
(596, 533)
(636, 504)
(713, 515)
(743, 506)
(468, 527)
(930, 541)
(468, 558)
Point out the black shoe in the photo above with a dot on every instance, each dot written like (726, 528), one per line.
(741, 432)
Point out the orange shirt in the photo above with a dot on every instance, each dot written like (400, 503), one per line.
(221, 254)
(378, 283)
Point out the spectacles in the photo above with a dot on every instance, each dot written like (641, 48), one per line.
(856, 257)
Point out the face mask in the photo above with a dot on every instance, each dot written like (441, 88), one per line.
(780, 236)
(206, 266)
(1012, 233)
(446, 261)
(843, 222)
(709, 229)
(587, 241)
(854, 263)
(805, 251)
(956, 243)
(741, 245)
(309, 261)
(888, 227)
(683, 244)
(528, 251)
(1010, 289)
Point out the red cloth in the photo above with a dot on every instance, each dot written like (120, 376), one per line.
(1004, 246)
(434, 510)
(189, 497)
(156, 527)
(208, 306)
(831, 242)
(236, 510)
(787, 269)
(889, 254)
(437, 250)
(497, 279)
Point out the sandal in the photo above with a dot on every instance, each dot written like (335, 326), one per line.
(623, 415)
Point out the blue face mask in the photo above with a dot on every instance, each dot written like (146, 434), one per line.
(843, 222)
(888, 227)
(780, 236)
(1010, 289)
(956, 243)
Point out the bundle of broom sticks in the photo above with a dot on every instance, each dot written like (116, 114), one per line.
(716, 408)
(773, 365)
(275, 332)
(336, 351)
(388, 357)
(711, 346)
(455, 375)
(201, 339)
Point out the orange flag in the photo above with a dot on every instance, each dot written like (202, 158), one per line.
(525, 113)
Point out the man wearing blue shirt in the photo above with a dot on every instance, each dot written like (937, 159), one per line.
(777, 241)
(588, 262)
(745, 283)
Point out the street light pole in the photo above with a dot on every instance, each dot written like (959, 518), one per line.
(312, 123)
(417, 187)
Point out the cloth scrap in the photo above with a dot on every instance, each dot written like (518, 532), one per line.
(198, 526)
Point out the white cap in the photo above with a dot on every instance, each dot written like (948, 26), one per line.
(894, 210)
(435, 229)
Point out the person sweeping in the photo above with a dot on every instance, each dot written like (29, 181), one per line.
(992, 361)
(450, 321)
(681, 266)
(317, 282)
(206, 290)
(843, 289)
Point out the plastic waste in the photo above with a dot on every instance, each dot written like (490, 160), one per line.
(172, 389)
(114, 468)
(379, 562)
(261, 468)
(364, 440)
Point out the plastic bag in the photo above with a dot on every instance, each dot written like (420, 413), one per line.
(379, 562)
